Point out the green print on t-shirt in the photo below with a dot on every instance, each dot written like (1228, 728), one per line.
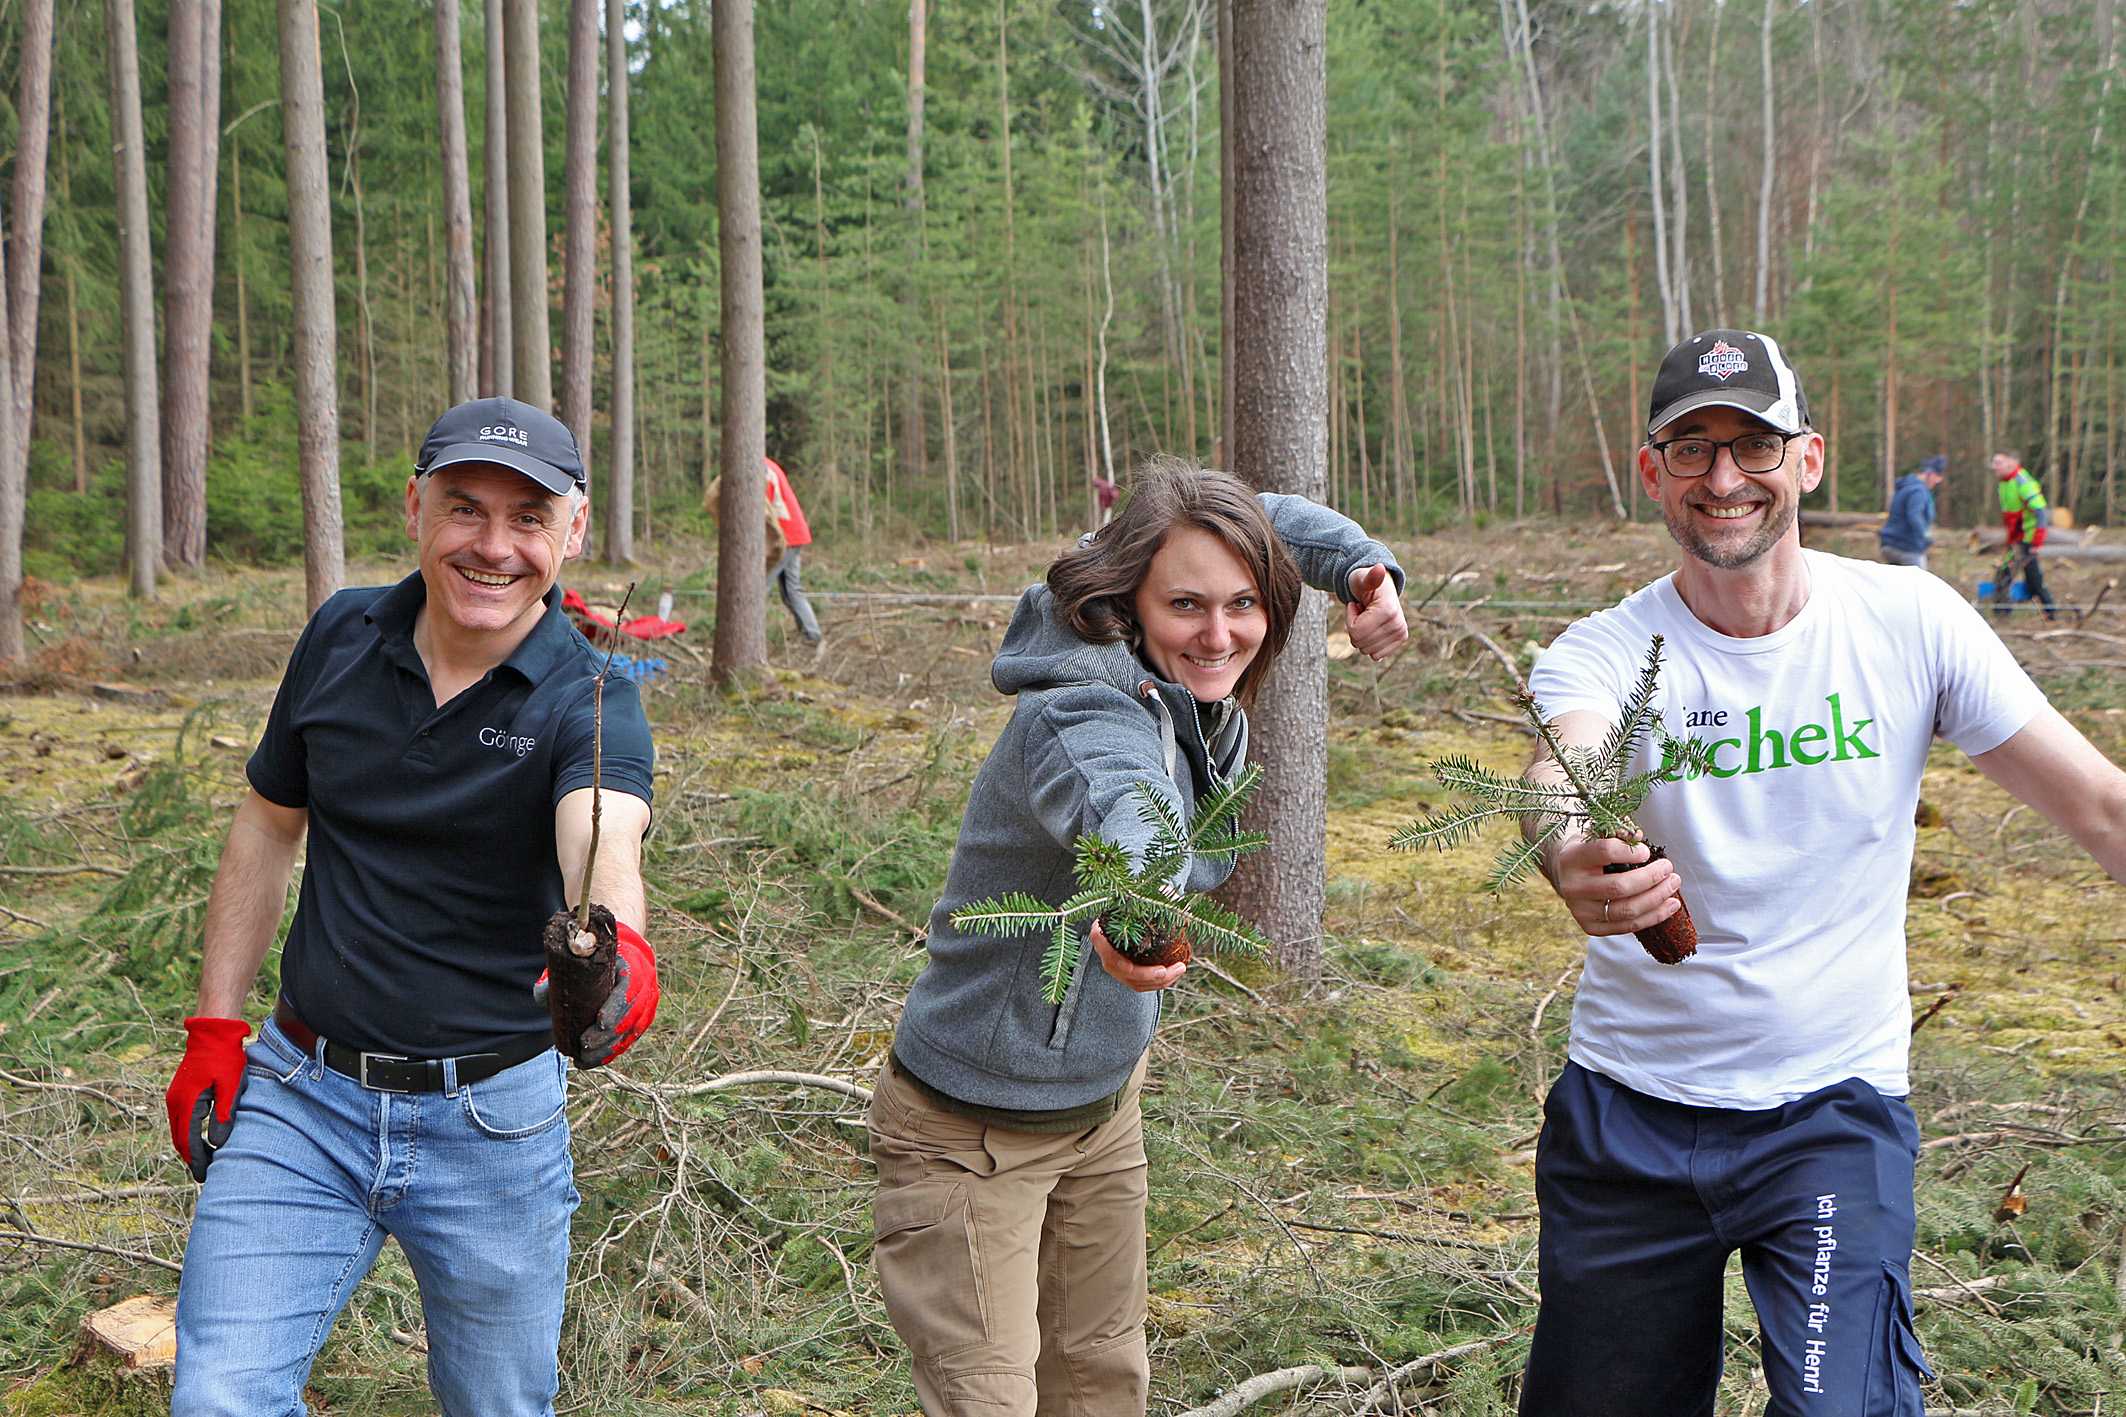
(1768, 748)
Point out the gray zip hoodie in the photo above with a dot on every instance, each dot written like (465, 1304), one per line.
(1092, 722)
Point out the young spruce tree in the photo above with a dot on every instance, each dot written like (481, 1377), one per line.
(1598, 797)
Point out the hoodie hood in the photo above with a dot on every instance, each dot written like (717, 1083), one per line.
(1041, 651)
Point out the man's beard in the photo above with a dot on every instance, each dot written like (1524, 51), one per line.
(1778, 516)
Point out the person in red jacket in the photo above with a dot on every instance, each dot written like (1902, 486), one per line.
(796, 534)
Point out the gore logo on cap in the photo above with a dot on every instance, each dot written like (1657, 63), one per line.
(509, 433)
(1723, 361)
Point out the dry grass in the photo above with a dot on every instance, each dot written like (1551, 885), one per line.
(1341, 1178)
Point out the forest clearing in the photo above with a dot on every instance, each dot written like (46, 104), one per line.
(1341, 1179)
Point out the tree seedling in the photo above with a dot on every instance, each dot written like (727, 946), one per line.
(1597, 799)
(1138, 910)
(583, 945)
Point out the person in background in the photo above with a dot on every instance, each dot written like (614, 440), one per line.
(1908, 530)
(2026, 518)
(796, 535)
(1104, 494)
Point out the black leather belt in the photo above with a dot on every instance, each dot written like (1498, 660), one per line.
(393, 1072)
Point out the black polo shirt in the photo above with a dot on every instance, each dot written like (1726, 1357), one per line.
(431, 858)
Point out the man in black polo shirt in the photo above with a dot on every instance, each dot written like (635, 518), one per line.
(432, 740)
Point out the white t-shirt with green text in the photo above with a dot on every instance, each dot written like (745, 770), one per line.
(1795, 850)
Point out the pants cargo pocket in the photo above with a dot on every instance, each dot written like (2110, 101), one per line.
(1896, 1366)
(929, 1269)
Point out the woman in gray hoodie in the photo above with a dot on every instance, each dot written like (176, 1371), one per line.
(1010, 1217)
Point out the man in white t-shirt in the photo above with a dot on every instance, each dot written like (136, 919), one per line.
(1752, 1096)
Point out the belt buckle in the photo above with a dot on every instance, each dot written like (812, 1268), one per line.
(362, 1076)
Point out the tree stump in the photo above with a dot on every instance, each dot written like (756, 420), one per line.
(140, 1333)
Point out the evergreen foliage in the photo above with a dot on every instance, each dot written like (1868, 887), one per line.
(1598, 798)
(1135, 906)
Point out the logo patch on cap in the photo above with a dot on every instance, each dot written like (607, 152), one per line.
(1723, 361)
(507, 433)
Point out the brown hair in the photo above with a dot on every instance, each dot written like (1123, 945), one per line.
(1095, 583)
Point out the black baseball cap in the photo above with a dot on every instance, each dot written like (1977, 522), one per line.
(1728, 369)
(509, 434)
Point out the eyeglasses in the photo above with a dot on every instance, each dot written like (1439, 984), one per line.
(1754, 453)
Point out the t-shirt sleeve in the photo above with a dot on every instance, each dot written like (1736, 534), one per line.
(630, 757)
(1982, 697)
(1585, 669)
(279, 769)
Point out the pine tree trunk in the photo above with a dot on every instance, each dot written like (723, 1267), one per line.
(531, 338)
(459, 297)
(364, 321)
(73, 319)
(579, 198)
(620, 477)
(137, 302)
(501, 329)
(952, 443)
(915, 436)
(317, 408)
(243, 296)
(1767, 90)
(1278, 358)
(20, 287)
(741, 627)
(1712, 185)
(1670, 323)
(194, 108)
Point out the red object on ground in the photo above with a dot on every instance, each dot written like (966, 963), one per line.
(599, 628)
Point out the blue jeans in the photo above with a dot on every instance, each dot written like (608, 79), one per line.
(1643, 1201)
(476, 1184)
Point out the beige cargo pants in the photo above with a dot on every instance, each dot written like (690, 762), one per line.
(1013, 1262)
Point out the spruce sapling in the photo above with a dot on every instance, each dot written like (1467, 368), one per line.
(1598, 798)
(1137, 909)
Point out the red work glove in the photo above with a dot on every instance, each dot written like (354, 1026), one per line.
(2037, 538)
(2012, 522)
(630, 1008)
(210, 1076)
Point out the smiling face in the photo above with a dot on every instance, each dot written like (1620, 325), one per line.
(1728, 518)
(1201, 613)
(491, 545)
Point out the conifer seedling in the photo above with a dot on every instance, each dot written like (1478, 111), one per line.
(1598, 798)
(1136, 909)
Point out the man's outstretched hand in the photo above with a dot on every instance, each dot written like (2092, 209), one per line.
(1374, 616)
(1619, 904)
(201, 1099)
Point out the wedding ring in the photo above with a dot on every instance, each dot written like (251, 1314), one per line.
(1605, 910)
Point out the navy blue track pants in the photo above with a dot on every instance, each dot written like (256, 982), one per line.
(1642, 1202)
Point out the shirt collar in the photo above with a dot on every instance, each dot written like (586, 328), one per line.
(536, 656)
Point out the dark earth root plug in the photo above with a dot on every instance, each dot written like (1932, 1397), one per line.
(1675, 939)
(578, 984)
(1154, 946)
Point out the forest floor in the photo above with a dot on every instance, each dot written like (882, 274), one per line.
(1340, 1177)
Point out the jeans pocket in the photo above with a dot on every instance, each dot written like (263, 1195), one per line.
(272, 1054)
(929, 1267)
(518, 1102)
